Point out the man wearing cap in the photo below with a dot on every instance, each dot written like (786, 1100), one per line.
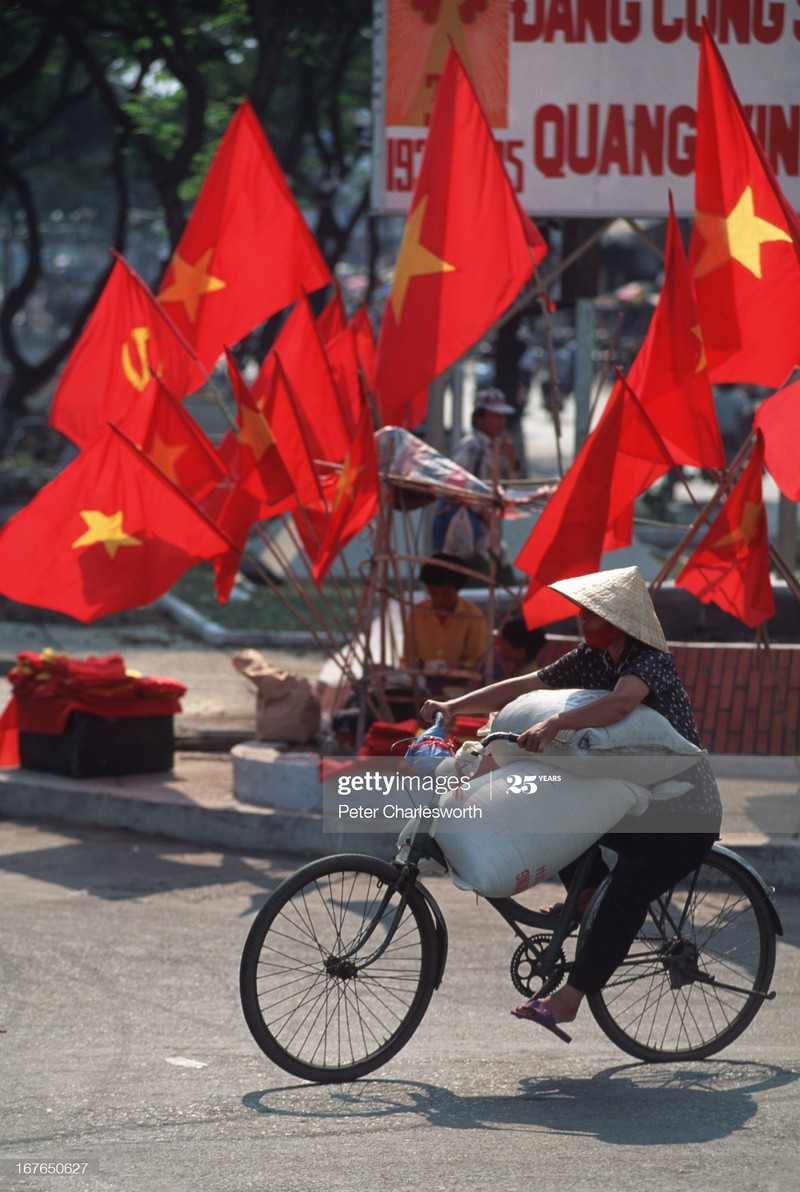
(624, 653)
(476, 451)
(489, 454)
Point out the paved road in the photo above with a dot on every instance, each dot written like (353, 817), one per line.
(123, 1047)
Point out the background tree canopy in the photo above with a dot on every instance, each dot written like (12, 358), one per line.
(110, 114)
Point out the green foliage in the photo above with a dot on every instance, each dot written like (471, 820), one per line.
(114, 109)
(260, 608)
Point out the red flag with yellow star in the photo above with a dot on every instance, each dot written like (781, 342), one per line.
(108, 533)
(127, 345)
(730, 566)
(263, 471)
(668, 375)
(162, 428)
(778, 419)
(745, 247)
(467, 251)
(246, 251)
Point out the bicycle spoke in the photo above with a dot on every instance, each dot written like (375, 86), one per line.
(339, 970)
(665, 1000)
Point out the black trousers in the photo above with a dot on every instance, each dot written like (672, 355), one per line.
(648, 864)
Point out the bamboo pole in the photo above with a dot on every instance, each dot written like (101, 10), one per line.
(726, 482)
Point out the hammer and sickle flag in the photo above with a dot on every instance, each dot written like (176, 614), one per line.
(127, 346)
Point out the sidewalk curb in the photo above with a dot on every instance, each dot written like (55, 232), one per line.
(105, 803)
(214, 634)
(98, 803)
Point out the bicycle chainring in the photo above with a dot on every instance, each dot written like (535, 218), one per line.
(525, 963)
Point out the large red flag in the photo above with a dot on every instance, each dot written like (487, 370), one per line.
(730, 565)
(246, 251)
(592, 505)
(745, 247)
(128, 344)
(778, 419)
(668, 375)
(467, 251)
(108, 533)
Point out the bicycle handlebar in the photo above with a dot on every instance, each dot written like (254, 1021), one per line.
(438, 721)
(512, 737)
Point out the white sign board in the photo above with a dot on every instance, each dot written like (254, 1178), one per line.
(592, 102)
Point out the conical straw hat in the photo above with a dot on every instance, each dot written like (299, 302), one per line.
(619, 596)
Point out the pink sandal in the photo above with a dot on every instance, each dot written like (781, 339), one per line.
(535, 1011)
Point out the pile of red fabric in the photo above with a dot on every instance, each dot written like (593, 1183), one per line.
(51, 685)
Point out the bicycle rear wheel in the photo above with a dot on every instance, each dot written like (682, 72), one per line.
(338, 968)
(696, 974)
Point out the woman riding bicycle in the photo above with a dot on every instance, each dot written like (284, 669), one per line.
(625, 653)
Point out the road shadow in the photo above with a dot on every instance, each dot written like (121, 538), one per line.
(632, 1104)
(125, 865)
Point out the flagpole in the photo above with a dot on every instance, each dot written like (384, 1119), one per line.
(734, 471)
(555, 396)
(604, 371)
(657, 435)
(784, 570)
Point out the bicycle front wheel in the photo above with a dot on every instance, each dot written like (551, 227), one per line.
(696, 975)
(338, 968)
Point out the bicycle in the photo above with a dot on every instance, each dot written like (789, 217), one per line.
(342, 961)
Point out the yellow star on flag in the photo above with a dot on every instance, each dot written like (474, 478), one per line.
(256, 432)
(745, 532)
(737, 237)
(414, 260)
(345, 487)
(106, 529)
(166, 455)
(190, 283)
(702, 362)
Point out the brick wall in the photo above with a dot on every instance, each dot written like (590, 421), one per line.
(745, 699)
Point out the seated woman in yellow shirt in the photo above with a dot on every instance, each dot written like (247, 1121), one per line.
(447, 635)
